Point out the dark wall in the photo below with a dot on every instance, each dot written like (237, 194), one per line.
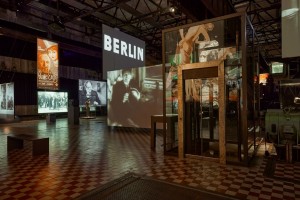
(26, 84)
(70, 86)
(26, 87)
(16, 48)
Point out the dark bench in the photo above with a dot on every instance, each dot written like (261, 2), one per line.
(40, 145)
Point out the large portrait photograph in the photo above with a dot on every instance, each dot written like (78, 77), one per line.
(47, 65)
(134, 95)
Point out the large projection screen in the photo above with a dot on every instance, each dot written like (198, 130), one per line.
(133, 104)
(95, 91)
(7, 99)
(52, 102)
(121, 50)
(47, 65)
(290, 22)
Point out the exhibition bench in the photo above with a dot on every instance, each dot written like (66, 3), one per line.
(40, 145)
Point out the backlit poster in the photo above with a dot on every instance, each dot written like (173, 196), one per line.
(47, 65)
(7, 98)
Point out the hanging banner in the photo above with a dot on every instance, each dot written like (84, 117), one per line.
(47, 65)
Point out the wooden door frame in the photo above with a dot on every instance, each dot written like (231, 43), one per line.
(221, 83)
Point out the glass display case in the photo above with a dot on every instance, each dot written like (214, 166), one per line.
(210, 68)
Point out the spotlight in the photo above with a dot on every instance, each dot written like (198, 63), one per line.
(172, 9)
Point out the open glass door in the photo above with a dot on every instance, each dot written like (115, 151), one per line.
(201, 116)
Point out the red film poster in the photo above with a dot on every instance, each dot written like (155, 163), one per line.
(47, 65)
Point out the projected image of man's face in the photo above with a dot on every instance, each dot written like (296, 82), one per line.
(127, 77)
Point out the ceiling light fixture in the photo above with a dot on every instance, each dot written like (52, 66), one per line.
(172, 9)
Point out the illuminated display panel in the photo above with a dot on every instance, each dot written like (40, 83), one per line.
(52, 102)
(263, 78)
(47, 65)
(120, 50)
(95, 91)
(277, 68)
(7, 99)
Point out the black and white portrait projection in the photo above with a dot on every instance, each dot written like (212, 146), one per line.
(92, 91)
(134, 95)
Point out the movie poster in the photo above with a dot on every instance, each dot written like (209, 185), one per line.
(47, 65)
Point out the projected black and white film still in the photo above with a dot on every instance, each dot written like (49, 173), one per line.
(134, 95)
(94, 91)
(7, 99)
(52, 102)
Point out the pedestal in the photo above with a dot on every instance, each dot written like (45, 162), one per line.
(73, 115)
(51, 118)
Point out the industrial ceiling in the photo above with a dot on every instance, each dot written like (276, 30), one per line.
(79, 21)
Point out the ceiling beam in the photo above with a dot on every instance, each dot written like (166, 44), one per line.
(136, 13)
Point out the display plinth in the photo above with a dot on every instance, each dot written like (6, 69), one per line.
(51, 118)
(73, 115)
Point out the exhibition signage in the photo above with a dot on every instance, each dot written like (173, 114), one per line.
(121, 50)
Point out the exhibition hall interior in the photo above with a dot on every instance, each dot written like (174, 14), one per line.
(149, 99)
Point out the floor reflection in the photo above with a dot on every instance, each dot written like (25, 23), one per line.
(85, 156)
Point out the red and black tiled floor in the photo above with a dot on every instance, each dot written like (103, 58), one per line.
(83, 157)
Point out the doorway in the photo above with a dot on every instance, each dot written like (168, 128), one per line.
(202, 110)
(201, 116)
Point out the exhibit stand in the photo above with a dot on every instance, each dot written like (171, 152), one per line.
(51, 118)
(73, 115)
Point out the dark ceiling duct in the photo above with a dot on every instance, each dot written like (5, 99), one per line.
(57, 24)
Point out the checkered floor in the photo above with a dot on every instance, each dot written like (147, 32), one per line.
(83, 157)
(288, 171)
